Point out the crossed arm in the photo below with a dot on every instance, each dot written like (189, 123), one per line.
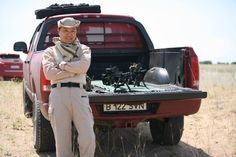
(55, 71)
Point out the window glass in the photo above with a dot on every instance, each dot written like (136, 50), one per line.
(103, 35)
(9, 56)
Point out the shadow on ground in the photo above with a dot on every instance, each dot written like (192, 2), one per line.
(137, 143)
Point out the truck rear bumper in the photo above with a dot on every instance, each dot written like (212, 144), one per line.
(12, 74)
(164, 109)
(161, 110)
(170, 102)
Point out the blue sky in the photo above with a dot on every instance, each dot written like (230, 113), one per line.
(209, 26)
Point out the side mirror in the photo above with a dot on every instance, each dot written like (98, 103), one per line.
(20, 46)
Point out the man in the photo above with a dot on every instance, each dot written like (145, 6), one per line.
(65, 65)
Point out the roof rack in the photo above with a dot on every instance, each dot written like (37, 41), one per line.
(57, 9)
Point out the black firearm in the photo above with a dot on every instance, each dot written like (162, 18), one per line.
(116, 78)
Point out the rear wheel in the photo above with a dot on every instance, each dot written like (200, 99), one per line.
(27, 104)
(42, 131)
(105, 139)
(167, 132)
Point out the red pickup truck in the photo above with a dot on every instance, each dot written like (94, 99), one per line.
(166, 93)
(10, 66)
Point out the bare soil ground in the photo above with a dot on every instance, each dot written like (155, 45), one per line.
(210, 132)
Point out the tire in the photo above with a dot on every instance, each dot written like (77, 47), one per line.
(27, 104)
(75, 145)
(105, 139)
(167, 132)
(43, 137)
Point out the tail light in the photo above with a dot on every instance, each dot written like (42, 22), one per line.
(45, 86)
(191, 69)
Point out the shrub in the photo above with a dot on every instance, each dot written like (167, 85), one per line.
(206, 62)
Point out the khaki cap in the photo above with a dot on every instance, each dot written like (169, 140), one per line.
(68, 22)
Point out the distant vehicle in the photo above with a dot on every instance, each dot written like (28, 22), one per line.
(10, 66)
(118, 97)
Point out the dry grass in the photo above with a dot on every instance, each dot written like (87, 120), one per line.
(15, 129)
(213, 128)
(210, 132)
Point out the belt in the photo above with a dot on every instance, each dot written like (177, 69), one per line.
(68, 84)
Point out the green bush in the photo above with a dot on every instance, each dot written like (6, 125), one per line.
(222, 63)
(205, 62)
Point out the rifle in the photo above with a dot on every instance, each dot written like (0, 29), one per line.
(116, 78)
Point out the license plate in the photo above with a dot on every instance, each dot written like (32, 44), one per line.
(124, 107)
(15, 67)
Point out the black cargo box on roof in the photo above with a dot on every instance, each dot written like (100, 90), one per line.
(56, 9)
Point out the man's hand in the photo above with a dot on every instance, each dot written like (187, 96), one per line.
(62, 65)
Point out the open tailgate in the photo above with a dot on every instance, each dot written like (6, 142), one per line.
(151, 92)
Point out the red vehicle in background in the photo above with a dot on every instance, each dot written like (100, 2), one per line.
(10, 66)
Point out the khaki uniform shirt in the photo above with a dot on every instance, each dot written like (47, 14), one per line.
(75, 70)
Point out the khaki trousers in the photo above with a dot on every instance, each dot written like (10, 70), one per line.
(67, 105)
